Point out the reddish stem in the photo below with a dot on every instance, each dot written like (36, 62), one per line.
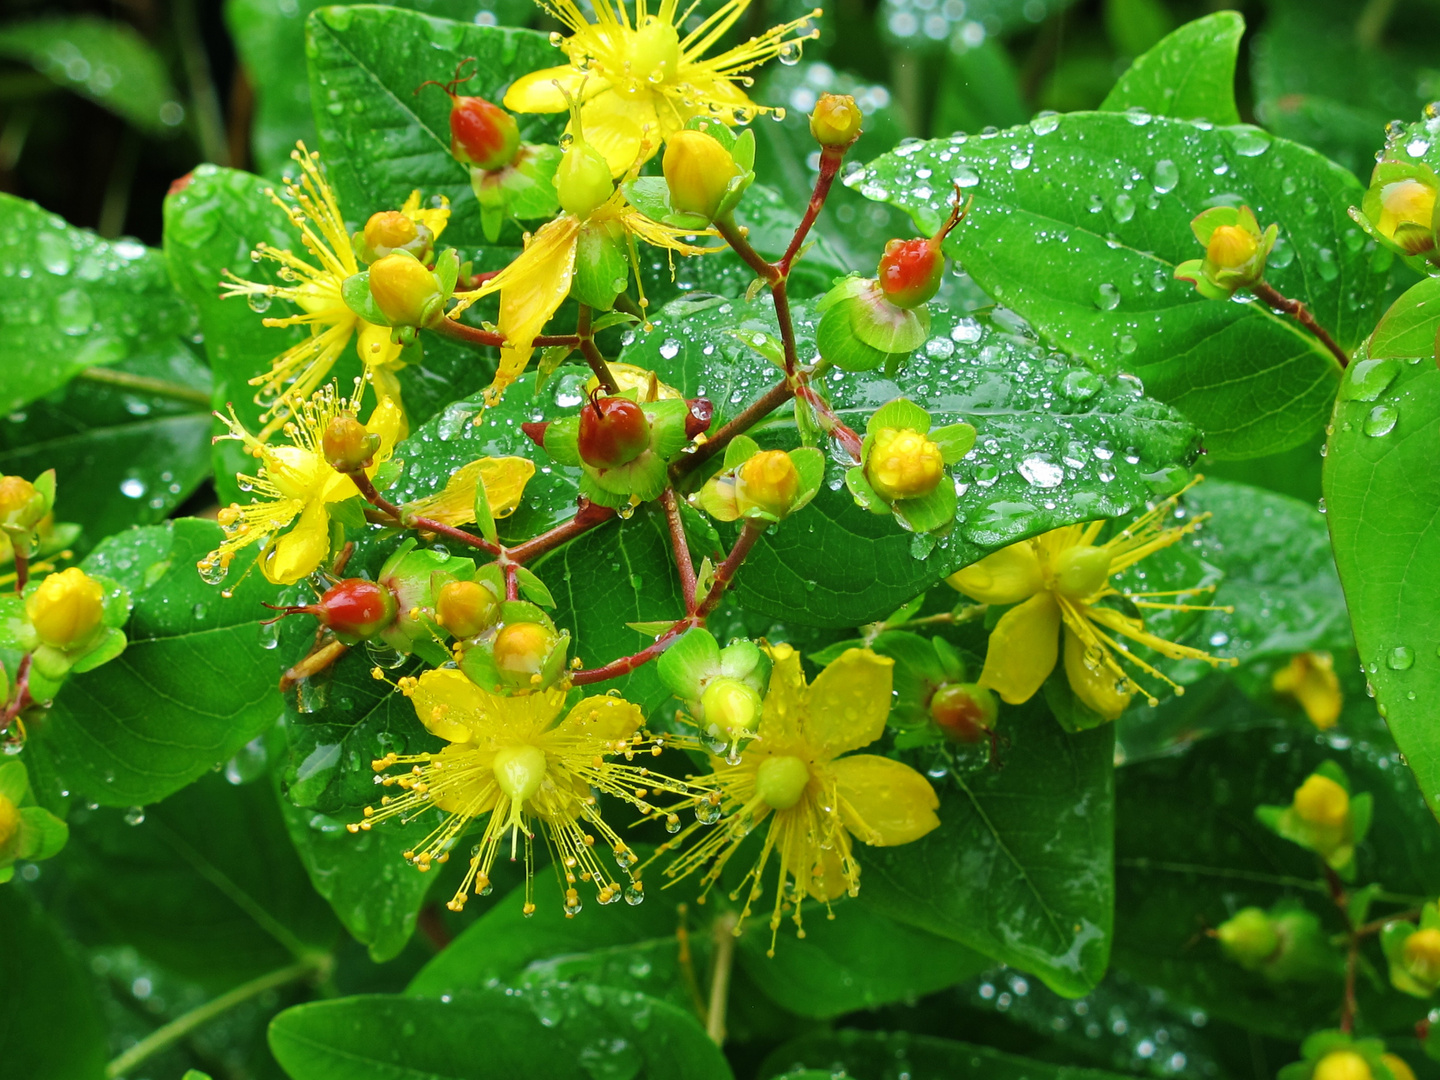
(592, 353)
(23, 700)
(22, 568)
(756, 411)
(830, 158)
(512, 581)
(586, 518)
(830, 421)
(733, 235)
(1266, 292)
(1342, 901)
(473, 335)
(681, 547)
(450, 532)
(725, 572)
(373, 497)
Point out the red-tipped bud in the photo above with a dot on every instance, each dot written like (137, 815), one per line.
(613, 432)
(965, 712)
(910, 270)
(355, 609)
(466, 608)
(348, 447)
(482, 133)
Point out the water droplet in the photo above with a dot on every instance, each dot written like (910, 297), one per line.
(135, 815)
(1122, 207)
(1165, 176)
(132, 487)
(1080, 385)
(1107, 297)
(1045, 122)
(1400, 658)
(1381, 420)
(259, 302)
(1249, 141)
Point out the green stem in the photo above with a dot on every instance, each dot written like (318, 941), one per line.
(143, 384)
(723, 932)
(204, 100)
(163, 1038)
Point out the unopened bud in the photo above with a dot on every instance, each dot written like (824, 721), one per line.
(1399, 1068)
(731, 705)
(21, 506)
(521, 650)
(768, 481)
(482, 133)
(1231, 247)
(66, 608)
(1342, 1065)
(836, 120)
(1421, 956)
(388, 231)
(406, 292)
(965, 712)
(347, 446)
(903, 464)
(466, 608)
(1248, 937)
(582, 182)
(1407, 210)
(1322, 802)
(911, 271)
(698, 171)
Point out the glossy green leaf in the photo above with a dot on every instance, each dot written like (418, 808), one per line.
(1381, 491)
(556, 1033)
(205, 883)
(879, 1055)
(51, 1027)
(1020, 867)
(150, 722)
(1189, 74)
(1091, 262)
(73, 301)
(123, 454)
(382, 140)
(103, 59)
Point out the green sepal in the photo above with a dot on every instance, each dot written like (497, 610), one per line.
(42, 834)
(348, 512)
(551, 358)
(562, 440)
(954, 440)
(653, 628)
(15, 629)
(866, 496)
(1193, 271)
(651, 196)
(644, 478)
(1392, 942)
(899, 413)
(809, 462)
(602, 265)
(532, 588)
(524, 190)
(740, 450)
(14, 781)
(694, 656)
(110, 644)
(484, 517)
(355, 291)
(478, 664)
(929, 512)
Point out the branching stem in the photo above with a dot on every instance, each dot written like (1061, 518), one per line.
(592, 353)
(1266, 292)
(683, 563)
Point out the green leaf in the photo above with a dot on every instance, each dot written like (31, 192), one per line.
(1189, 74)
(150, 722)
(920, 1057)
(1020, 867)
(397, 141)
(206, 883)
(104, 60)
(1033, 467)
(857, 960)
(1090, 262)
(539, 1034)
(73, 301)
(1381, 492)
(52, 1028)
(123, 454)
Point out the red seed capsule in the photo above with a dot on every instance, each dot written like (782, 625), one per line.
(614, 431)
(482, 133)
(355, 608)
(965, 712)
(911, 270)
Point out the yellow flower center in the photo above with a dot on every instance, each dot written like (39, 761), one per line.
(769, 481)
(66, 609)
(519, 771)
(654, 57)
(1342, 1065)
(730, 705)
(9, 821)
(521, 650)
(1422, 955)
(1231, 247)
(1081, 571)
(781, 780)
(904, 464)
(1321, 801)
(1406, 202)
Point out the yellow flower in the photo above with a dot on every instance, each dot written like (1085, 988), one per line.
(66, 609)
(504, 479)
(295, 481)
(638, 81)
(509, 759)
(1311, 680)
(534, 286)
(815, 799)
(297, 372)
(1057, 582)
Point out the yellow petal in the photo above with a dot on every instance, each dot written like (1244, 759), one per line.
(537, 92)
(846, 705)
(1005, 577)
(883, 801)
(300, 551)
(602, 717)
(467, 796)
(780, 723)
(488, 717)
(444, 700)
(803, 856)
(535, 285)
(1023, 649)
(622, 129)
(1310, 678)
(504, 479)
(434, 218)
(1094, 686)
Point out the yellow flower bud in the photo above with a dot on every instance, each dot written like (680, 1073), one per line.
(347, 445)
(389, 229)
(66, 609)
(769, 482)
(1249, 936)
(582, 182)
(1398, 1067)
(1080, 571)
(521, 650)
(407, 293)
(903, 464)
(781, 780)
(836, 120)
(1311, 680)
(697, 170)
(466, 608)
(731, 705)
(1321, 801)
(20, 504)
(1405, 202)
(9, 822)
(1342, 1065)
(1231, 247)
(1421, 954)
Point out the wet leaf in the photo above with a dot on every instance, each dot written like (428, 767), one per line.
(1189, 74)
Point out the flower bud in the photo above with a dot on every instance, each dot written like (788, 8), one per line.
(9, 822)
(613, 431)
(21, 506)
(731, 706)
(836, 121)
(1421, 956)
(768, 481)
(1321, 802)
(1236, 249)
(482, 133)
(1249, 937)
(698, 171)
(1231, 247)
(1342, 1065)
(965, 712)
(356, 609)
(66, 608)
(1311, 680)
(388, 230)
(903, 464)
(466, 608)
(781, 780)
(347, 446)
(521, 651)
(406, 292)
(1406, 210)
(582, 182)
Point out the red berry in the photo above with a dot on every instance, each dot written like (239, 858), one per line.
(910, 271)
(356, 609)
(482, 134)
(614, 431)
(963, 711)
